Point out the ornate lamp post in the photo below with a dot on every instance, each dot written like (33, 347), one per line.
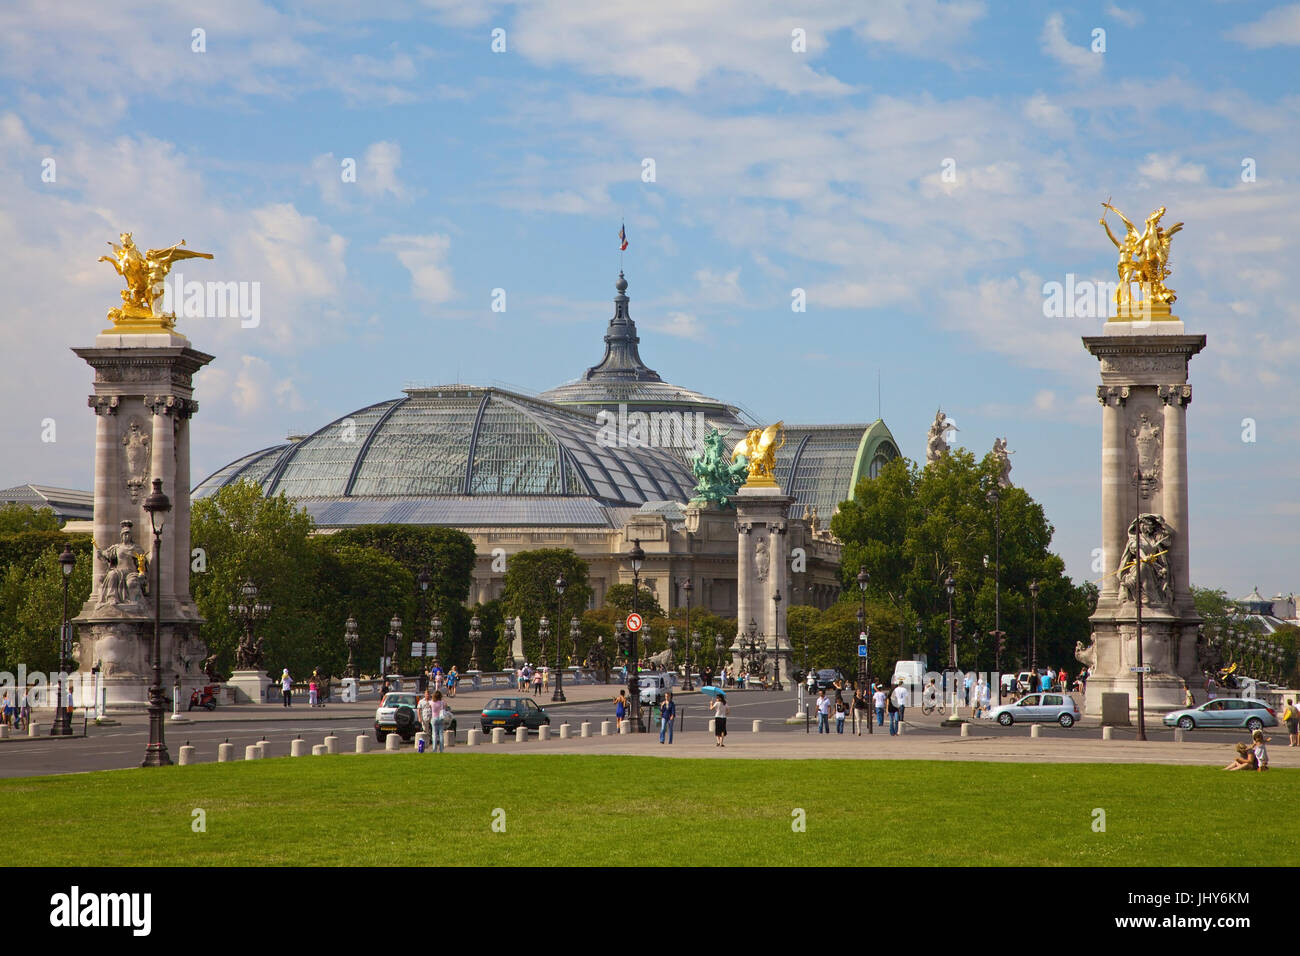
(543, 632)
(351, 638)
(672, 643)
(717, 652)
(248, 611)
(155, 754)
(560, 585)
(637, 557)
(1033, 636)
(776, 644)
(394, 641)
(575, 632)
(864, 662)
(950, 586)
(688, 587)
(435, 637)
(996, 498)
(62, 716)
(695, 647)
(475, 632)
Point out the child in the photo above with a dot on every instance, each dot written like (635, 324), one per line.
(840, 713)
(1261, 752)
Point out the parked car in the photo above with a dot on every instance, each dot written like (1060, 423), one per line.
(511, 712)
(654, 686)
(1037, 709)
(826, 678)
(397, 714)
(1224, 712)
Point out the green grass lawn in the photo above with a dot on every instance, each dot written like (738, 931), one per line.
(563, 809)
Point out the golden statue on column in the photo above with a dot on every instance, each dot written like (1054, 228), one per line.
(1144, 259)
(759, 448)
(144, 274)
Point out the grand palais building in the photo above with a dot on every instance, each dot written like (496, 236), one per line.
(570, 468)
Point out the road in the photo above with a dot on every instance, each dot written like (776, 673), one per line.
(122, 746)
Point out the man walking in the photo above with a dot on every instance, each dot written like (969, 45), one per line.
(900, 699)
(667, 711)
(879, 699)
(425, 712)
(823, 713)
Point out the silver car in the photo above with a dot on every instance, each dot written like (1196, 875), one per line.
(1224, 712)
(1037, 709)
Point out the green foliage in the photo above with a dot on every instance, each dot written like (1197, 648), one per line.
(619, 597)
(491, 617)
(530, 594)
(16, 518)
(831, 636)
(22, 548)
(245, 535)
(912, 527)
(364, 583)
(31, 608)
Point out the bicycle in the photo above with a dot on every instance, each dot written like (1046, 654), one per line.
(930, 703)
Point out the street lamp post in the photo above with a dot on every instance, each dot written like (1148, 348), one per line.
(951, 587)
(694, 646)
(351, 638)
(864, 660)
(560, 585)
(394, 641)
(688, 587)
(435, 637)
(637, 557)
(996, 497)
(1033, 638)
(575, 632)
(422, 580)
(475, 633)
(62, 716)
(155, 754)
(543, 632)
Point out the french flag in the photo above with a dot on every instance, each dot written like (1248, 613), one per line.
(622, 238)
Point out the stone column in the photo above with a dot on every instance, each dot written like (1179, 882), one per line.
(1114, 484)
(106, 480)
(1176, 398)
(163, 464)
(180, 519)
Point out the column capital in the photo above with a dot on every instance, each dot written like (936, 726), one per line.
(103, 404)
(1112, 395)
(171, 405)
(1180, 395)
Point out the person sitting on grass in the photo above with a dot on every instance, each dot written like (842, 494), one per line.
(1244, 760)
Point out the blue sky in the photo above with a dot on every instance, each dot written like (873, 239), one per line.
(774, 170)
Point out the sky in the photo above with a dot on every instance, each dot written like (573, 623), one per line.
(919, 169)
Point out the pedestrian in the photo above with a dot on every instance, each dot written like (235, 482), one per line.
(424, 710)
(719, 708)
(966, 686)
(620, 706)
(25, 711)
(1261, 752)
(861, 708)
(6, 710)
(439, 712)
(1290, 717)
(812, 682)
(383, 688)
(899, 699)
(313, 692)
(667, 712)
(453, 678)
(840, 713)
(537, 682)
(1244, 759)
(286, 687)
(1188, 699)
(823, 713)
(975, 704)
(984, 698)
(1211, 687)
(880, 699)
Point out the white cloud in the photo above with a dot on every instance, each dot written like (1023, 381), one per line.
(379, 171)
(1130, 18)
(1278, 27)
(1080, 59)
(1041, 111)
(719, 287)
(1166, 167)
(425, 258)
(682, 325)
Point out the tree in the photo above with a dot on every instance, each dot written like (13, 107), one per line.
(363, 583)
(31, 634)
(913, 527)
(530, 593)
(247, 536)
(619, 597)
(15, 517)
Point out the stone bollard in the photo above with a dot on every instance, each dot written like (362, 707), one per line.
(331, 744)
(625, 726)
(252, 752)
(1106, 733)
(1035, 730)
(1178, 735)
(521, 734)
(758, 725)
(299, 747)
(544, 732)
(225, 752)
(318, 750)
(564, 731)
(448, 739)
(4, 731)
(473, 737)
(263, 747)
(33, 729)
(363, 743)
(498, 735)
(421, 738)
(187, 755)
(584, 729)
(965, 730)
(392, 743)
(606, 728)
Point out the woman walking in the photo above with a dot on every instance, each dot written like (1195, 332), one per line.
(719, 708)
(286, 686)
(620, 706)
(439, 721)
(1291, 717)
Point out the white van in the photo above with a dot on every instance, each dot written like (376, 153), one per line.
(911, 673)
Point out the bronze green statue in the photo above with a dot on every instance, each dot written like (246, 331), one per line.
(718, 477)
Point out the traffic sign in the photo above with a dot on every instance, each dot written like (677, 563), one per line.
(634, 622)
(1144, 669)
(417, 649)
(862, 650)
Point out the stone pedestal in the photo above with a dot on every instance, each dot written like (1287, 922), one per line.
(762, 570)
(249, 686)
(143, 402)
(1144, 396)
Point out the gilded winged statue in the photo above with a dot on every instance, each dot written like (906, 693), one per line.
(144, 274)
(760, 447)
(1143, 258)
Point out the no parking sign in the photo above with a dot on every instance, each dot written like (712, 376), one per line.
(634, 622)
